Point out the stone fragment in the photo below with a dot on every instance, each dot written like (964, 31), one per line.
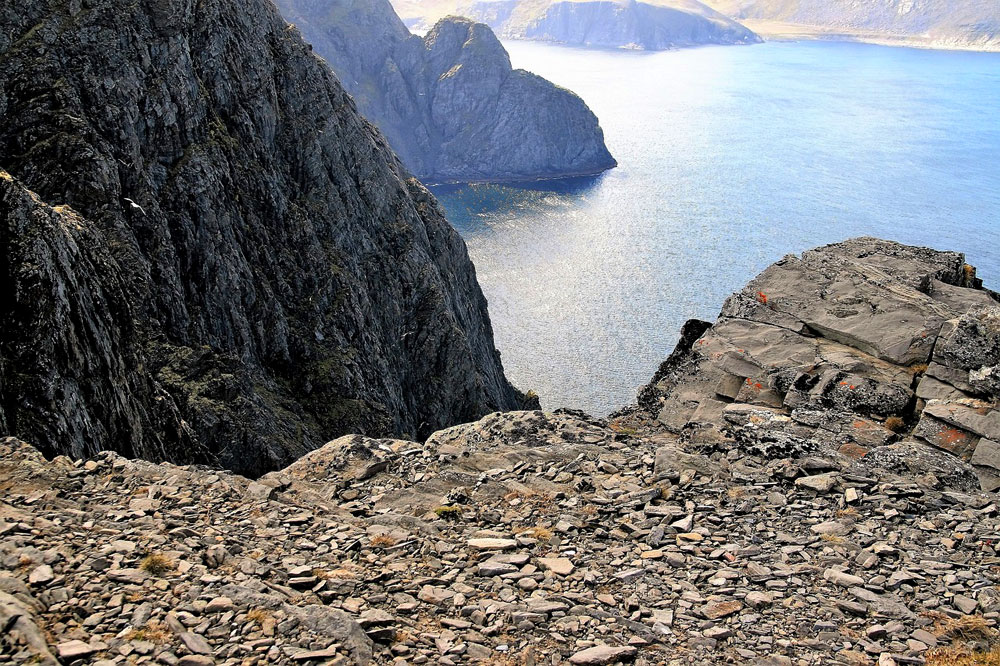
(41, 575)
(492, 544)
(843, 579)
(195, 643)
(557, 565)
(74, 649)
(821, 483)
(602, 654)
(720, 609)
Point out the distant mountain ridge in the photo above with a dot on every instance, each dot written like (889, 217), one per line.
(973, 24)
(647, 25)
(450, 104)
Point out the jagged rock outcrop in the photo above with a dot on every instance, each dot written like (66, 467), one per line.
(449, 103)
(209, 255)
(650, 24)
(966, 24)
(862, 346)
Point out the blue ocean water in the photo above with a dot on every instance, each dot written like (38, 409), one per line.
(729, 158)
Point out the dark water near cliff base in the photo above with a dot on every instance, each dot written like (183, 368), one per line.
(730, 157)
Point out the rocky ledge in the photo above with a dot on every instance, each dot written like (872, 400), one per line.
(785, 523)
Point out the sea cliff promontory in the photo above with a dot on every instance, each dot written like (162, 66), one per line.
(449, 103)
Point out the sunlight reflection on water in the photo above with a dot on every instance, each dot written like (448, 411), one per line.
(730, 157)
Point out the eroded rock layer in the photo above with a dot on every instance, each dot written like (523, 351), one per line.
(850, 346)
(209, 255)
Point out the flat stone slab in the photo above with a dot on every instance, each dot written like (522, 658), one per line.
(557, 565)
(492, 544)
(602, 654)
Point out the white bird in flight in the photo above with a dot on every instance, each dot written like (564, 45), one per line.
(135, 205)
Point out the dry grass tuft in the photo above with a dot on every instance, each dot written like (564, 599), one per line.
(157, 565)
(832, 538)
(153, 632)
(383, 541)
(258, 615)
(965, 628)
(895, 424)
(539, 532)
(954, 656)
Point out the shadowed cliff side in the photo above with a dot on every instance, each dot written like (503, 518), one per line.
(213, 257)
(450, 104)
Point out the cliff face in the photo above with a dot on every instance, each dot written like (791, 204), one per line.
(942, 23)
(652, 25)
(450, 104)
(212, 257)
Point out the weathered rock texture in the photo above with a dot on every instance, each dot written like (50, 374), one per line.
(652, 24)
(209, 255)
(851, 346)
(966, 24)
(450, 104)
(781, 523)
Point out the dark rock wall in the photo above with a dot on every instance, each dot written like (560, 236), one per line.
(278, 279)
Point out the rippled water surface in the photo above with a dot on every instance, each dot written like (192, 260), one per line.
(730, 157)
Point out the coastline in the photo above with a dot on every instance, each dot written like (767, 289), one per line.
(779, 31)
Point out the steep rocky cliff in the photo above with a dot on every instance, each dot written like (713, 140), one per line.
(651, 25)
(969, 24)
(209, 255)
(816, 533)
(450, 104)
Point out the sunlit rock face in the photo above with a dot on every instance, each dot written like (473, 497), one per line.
(449, 103)
(209, 255)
